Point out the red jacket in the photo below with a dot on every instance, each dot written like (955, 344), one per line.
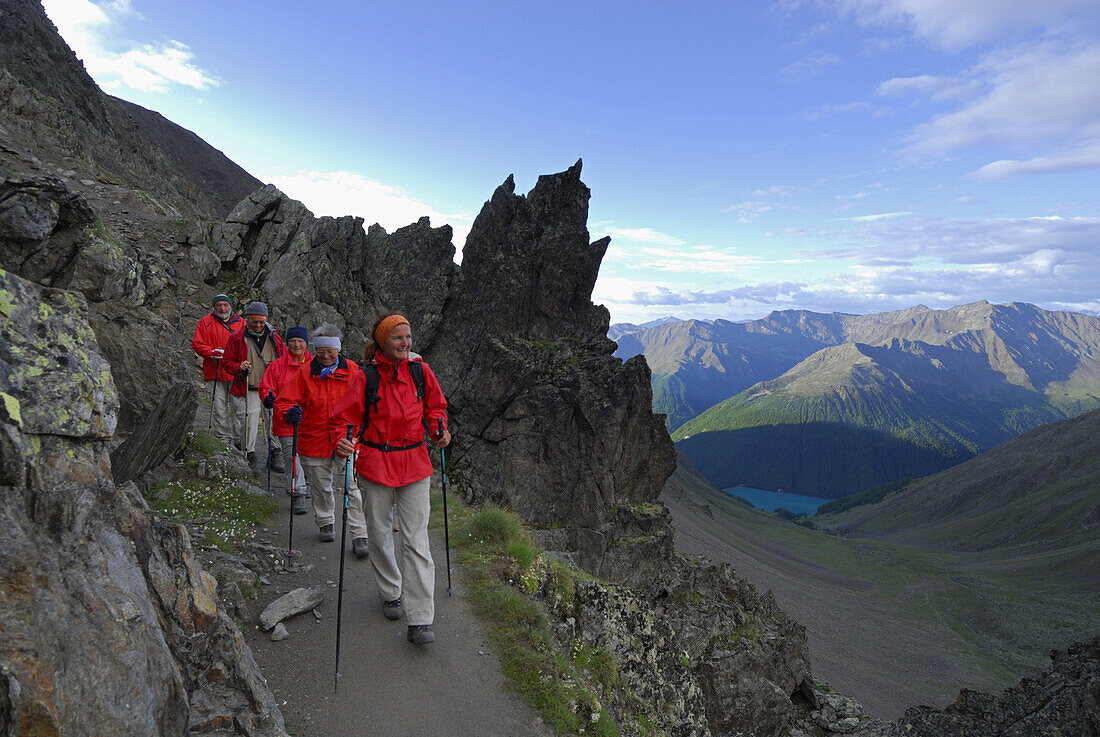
(236, 352)
(210, 334)
(278, 374)
(317, 397)
(398, 419)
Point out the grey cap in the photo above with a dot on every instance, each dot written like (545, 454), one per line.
(221, 298)
(255, 308)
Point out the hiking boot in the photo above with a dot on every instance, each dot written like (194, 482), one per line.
(254, 465)
(359, 547)
(420, 634)
(276, 460)
(327, 533)
(393, 609)
(298, 504)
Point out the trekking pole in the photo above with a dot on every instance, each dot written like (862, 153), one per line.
(446, 530)
(293, 478)
(214, 392)
(343, 542)
(269, 466)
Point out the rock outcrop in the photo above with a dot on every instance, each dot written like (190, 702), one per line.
(548, 422)
(1063, 700)
(311, 270)
(110, 625)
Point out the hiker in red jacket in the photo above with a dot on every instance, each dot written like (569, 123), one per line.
(247, 355)
(307, 400)
(394, 469)
(211, 335)
(277, 376)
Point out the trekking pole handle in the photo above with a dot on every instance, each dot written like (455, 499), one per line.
(351, 433)
(439, 426)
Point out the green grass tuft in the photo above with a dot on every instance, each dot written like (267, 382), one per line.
(502, 570)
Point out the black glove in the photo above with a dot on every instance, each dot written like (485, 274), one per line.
(269, 401)
(294, 415)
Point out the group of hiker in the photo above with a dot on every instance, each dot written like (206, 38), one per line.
(324, 414)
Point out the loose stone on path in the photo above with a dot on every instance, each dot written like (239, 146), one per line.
(290, 605)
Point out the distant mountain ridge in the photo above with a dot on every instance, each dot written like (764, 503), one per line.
(833, 404)
(176, 172)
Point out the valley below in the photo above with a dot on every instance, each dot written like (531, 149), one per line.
(889, 624)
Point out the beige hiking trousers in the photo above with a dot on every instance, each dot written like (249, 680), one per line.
(414, 581)
(325, 477)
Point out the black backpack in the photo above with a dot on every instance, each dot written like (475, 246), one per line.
(370, 390)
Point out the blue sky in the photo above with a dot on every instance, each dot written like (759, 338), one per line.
(853, 155)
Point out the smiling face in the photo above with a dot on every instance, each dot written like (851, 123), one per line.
(398, 344)
(326, 356)
(296, 346)
(222, 309)
(256, 322)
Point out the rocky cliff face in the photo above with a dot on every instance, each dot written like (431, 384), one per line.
(110, 625)
(549, 422)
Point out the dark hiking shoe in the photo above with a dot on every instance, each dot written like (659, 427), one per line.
(276, 459)
(298, 504)
(255, 465)
(393, 610)
(327, 533)
(420, 634)
(359, 547)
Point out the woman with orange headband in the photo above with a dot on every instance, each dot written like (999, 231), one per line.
(394, 469)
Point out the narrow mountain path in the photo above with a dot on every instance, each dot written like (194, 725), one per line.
(387, 686)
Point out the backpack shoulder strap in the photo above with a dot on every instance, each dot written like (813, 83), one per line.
(370, 394)
(416, 370)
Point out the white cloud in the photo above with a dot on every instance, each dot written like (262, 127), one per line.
(341, 193)
(87, 28)
(954, 25)
(828, 110)
(1086, 157)
(808, 67)
(749, 210)
(680, 260)
(938, 89)
(879, 216)
(640, 235)
(1042, 93)
(941, 262)
(776, 190)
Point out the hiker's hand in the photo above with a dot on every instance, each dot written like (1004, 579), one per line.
(293, 415)
(246, 365)
(344, 448)
(269, 401)
(445, 439)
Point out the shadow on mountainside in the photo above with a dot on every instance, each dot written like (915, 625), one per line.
(813, 458)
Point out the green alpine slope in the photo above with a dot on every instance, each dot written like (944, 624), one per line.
(938, 387)
(1037, 495)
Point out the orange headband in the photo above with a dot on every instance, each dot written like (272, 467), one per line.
(388, 324)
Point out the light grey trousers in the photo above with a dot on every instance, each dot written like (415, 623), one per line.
(414, 581)
(250, 408)
(325, 477)
(225, 429)
(287, 445)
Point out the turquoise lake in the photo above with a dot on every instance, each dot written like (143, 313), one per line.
(770, 500)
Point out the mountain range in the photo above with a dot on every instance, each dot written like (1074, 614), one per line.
(833, 404)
